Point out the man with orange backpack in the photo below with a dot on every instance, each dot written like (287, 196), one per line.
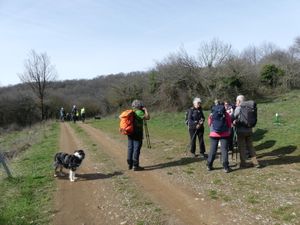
(131, 124)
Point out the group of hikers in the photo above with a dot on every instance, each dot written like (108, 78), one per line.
(74, 115)
(228, 123)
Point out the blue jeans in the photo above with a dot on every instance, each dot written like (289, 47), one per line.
(213, 151)
(134, 150)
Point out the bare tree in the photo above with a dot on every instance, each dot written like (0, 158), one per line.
(295, 48)
(37, 75)
(267, 48)
(251, 54)
(213, 53)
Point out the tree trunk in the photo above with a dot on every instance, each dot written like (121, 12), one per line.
(42, 107)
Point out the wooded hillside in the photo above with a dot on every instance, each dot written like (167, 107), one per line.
(217, 71)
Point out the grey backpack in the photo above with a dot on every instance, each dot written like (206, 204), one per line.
(248, 114)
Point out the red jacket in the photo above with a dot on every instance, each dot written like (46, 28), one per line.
(221, 134)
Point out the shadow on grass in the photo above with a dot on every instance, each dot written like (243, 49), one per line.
(92, 176)
(265, 145)
(181, 162)
(282, 155)
(259, 134)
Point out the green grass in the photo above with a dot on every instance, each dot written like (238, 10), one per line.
(285, 213)
(252, 199)
(279, 144)
(217, 181)
(213, 194)
(20, 140)
(27, 197)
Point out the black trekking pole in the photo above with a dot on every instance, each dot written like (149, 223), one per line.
(235, 147)
(147, 135)
(190, 143)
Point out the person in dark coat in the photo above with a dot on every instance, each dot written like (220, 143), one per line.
(196, 129)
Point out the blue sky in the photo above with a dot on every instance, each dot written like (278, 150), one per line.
(87, 38)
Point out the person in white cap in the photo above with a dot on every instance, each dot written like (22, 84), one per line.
(196, 129)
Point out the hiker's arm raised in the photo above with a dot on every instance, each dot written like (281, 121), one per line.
(147, 115)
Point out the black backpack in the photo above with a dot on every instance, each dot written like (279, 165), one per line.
(248, 114)
(186, 121)
(219, 118)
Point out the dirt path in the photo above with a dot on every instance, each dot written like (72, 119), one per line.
(180, 202)
(75, 202)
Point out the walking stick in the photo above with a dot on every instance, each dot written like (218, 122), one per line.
(235, 147)
(147, 135)
(190, 143)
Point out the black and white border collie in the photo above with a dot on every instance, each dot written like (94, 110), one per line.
(68, 161)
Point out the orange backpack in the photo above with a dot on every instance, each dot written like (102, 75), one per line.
(126, 122)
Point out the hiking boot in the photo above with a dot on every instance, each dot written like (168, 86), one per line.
(193, 155)
(258, 166)
(227, 170)
(209, 168)
(138, 168)
(202, 156)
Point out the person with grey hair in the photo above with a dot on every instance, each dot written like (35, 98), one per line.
(244, 136)
(196, 129)
(135, 140)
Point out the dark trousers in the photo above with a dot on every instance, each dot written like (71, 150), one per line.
(83, 117)
(245, 146)
(134, 150)
(74, 117)
(230, 140)
(194, 133)
(213, 151)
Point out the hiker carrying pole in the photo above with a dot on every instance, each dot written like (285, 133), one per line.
(195, 119)
(135, 139)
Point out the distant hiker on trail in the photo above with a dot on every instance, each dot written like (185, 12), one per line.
(82, 114)
(135, 138)
(62, 114)
(195, 120)
(77, 115)
(245, 117)
(74, 113)
(219, 122)
(68, 116)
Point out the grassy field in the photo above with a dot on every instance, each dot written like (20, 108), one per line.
(27, 197)
(269, 195)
